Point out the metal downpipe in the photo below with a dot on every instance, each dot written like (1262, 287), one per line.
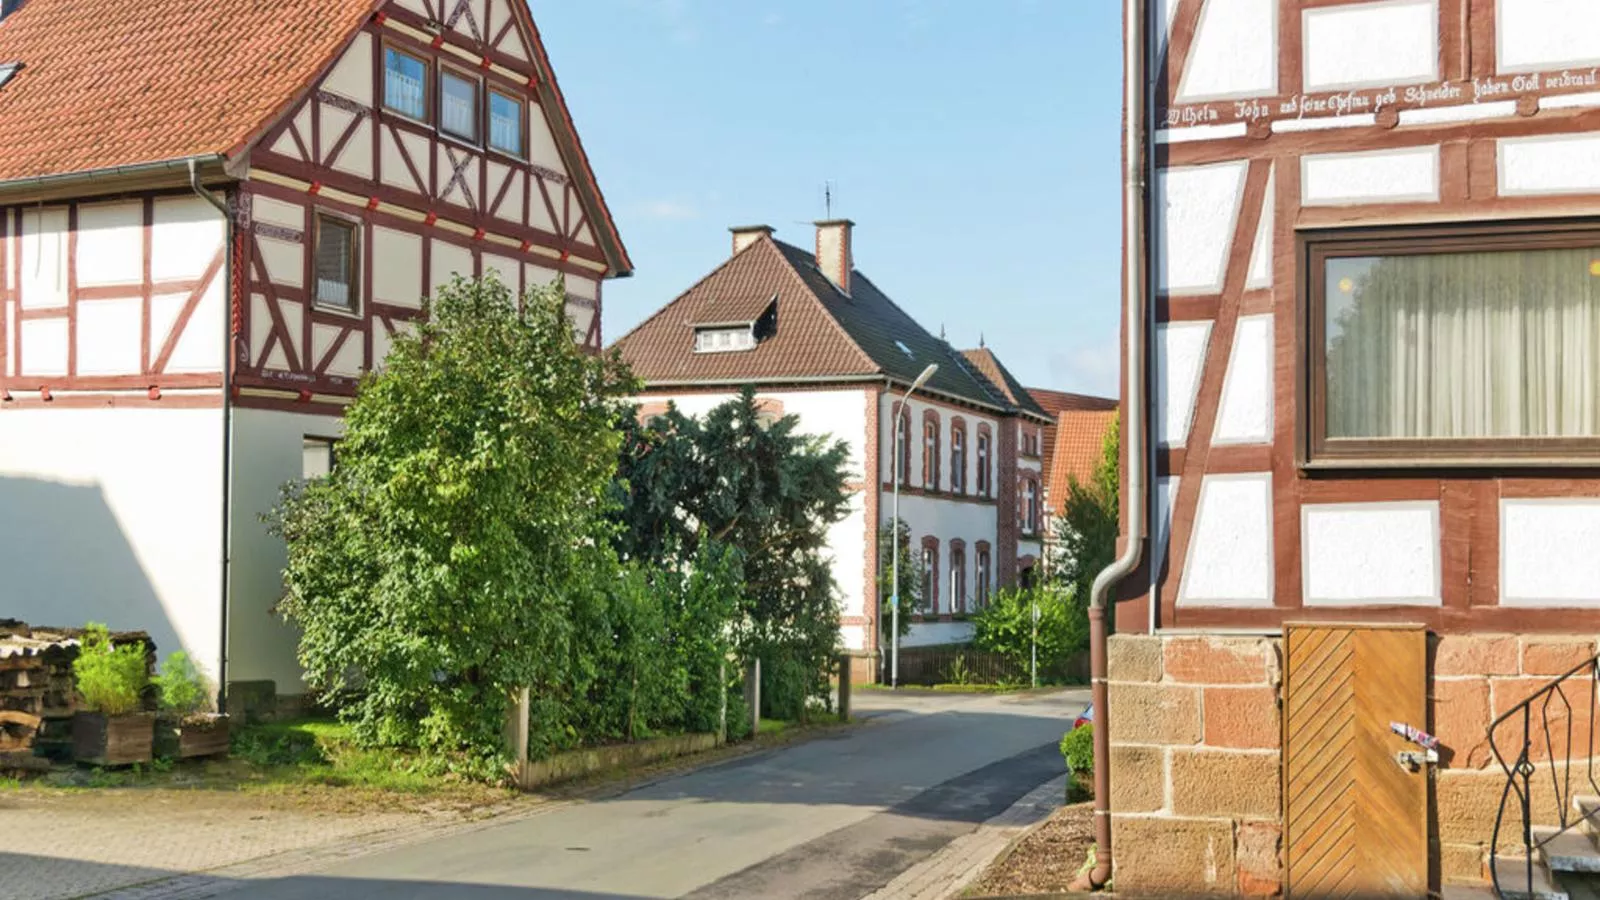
(1135, 88)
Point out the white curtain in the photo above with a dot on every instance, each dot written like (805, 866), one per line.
(1464, 345)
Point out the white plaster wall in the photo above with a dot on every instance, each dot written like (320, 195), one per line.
(1557, 164)
(111, 244)
(44, 344)
(914, 411)
(1196, 207)
(1379, 176)
(854, 637)
(542, 144)
(1260, 273)
(396, 267)
(448, 260)
(44, 258)
(108, 337)
(1369, 554)
(268, 452)
(115, 516)
(1230, 550)
(186, 234)
(1543, 35)
(1180, 349)
(947, 520)
(1547, 552)
(1389, 42)
(1235, 52)
(1245, 416)
(351, 76)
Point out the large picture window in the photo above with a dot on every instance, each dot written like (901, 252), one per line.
(1457, 346)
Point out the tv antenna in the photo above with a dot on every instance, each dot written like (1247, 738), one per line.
(827, 199)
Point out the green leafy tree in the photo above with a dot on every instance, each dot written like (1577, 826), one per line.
(1006, 626)
(434, 569)
(1086, 530)
(910, 582)
(761, 487)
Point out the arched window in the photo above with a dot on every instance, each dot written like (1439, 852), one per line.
(930, 449)
(1030, 506)
(930, 574)
(984, 478)
(980, 583)
(958, 456)
(958, 576)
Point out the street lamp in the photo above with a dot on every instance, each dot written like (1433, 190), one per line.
(894, 538)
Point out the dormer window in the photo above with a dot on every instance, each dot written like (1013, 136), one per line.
(724, 340)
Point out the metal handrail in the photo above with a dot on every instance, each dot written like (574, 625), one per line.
(1520, 773)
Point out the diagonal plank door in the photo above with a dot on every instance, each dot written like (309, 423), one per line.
(1355, 819)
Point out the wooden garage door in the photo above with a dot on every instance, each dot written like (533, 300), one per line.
(1355, 818)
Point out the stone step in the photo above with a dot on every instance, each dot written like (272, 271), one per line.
(1572, 850)
(1512, 874)
(1588, 806)
(1467, 892)
(1579, 887)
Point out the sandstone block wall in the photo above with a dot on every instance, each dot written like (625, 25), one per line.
(1196, 764)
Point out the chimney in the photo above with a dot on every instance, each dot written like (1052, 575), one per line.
(833, 251)
(745, 235)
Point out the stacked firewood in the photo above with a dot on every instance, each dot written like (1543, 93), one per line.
(37, 698)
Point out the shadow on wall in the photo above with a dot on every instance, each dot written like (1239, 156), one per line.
(66, 561)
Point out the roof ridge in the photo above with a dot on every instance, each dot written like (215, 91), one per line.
(805, 288)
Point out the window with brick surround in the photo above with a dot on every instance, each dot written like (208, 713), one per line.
(930, 575)
(980, 585)
(958, 456)
(958, 576)
(985, 478)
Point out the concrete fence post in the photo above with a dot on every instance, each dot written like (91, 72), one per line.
(752, 695)
(722, 696)
(844, 687)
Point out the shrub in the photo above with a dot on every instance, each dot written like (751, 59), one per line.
(1006, 627)
(183, 690)
(1077, 748)
(109, 678)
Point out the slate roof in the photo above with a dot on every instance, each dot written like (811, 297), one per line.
(821, 333)
(106, 84)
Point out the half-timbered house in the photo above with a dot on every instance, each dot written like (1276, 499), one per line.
(214, 217)
(1372, 268)
(819, 340)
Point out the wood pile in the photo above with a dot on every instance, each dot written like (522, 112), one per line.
(37, 699)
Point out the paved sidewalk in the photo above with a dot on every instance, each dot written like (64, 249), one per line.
(948, 872)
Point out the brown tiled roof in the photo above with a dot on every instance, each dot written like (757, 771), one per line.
(1054, 403)
(107, 84)
(998, 375)
(820, 333)
(1079, 441)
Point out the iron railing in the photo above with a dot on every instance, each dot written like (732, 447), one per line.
(1561, 714)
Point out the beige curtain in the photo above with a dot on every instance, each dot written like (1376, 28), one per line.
(1464, 345)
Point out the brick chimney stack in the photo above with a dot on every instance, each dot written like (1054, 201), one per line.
(745, 235)
(833, 251)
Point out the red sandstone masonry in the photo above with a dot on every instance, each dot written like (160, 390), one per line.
(1477, 655)
(1554, 656)
(1217, 660)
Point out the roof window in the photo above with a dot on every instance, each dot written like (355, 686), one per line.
(724, 340)
(906, 350)
(7, 70)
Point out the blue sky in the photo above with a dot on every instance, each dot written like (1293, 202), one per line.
(976, 152)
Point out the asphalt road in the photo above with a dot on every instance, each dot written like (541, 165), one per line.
(836, 817)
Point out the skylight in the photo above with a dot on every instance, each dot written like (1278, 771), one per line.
(7, 70)
(906, 350)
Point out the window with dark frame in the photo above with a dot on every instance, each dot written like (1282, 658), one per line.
(958, 459)
(317, 457)
(903, 431)
(405, 84)
(458, 105)
(505, 123)
(981, 585)
(930, 455)
(335, 260)
(958, 578)
(983, 464)
(1452, 345)
(930, 579)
